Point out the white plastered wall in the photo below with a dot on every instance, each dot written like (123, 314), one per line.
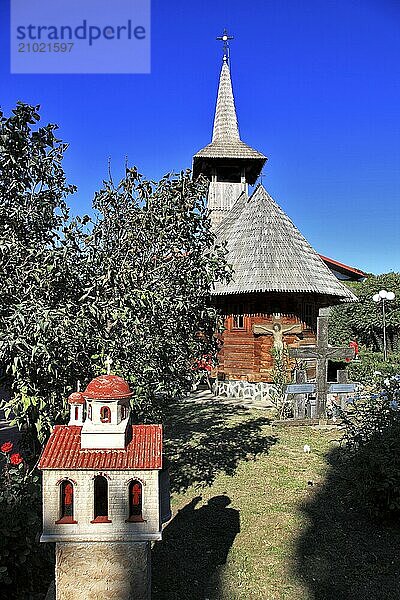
(118, 506)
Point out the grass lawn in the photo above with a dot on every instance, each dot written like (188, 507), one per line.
(257, 518)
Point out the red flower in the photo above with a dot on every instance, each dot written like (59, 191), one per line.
(16, 459)
(7, 447)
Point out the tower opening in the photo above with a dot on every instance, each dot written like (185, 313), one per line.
(229, 174)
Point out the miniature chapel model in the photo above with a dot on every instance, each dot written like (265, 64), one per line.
(105, 495)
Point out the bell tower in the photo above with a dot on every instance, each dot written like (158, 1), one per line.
(228, 163)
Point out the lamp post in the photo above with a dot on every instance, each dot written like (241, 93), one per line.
(382, 296)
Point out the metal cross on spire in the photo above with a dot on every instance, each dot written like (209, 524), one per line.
(225, 37)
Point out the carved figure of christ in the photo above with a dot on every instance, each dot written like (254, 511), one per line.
(277, 330)
(322, 352)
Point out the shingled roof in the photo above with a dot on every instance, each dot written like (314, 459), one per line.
(226, 142)
(269, 254)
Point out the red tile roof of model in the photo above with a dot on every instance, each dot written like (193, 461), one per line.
(63, 451)
(107, 387)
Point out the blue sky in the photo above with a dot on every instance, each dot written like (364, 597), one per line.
(317, 89)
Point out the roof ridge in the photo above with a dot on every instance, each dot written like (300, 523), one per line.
(342, 265)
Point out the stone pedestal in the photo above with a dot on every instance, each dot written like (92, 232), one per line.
(103, 571)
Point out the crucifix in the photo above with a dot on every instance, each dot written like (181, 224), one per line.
(277, 330)
(322, 352)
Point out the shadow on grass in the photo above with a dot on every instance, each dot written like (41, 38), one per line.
(195, 544)
(344, 554)
(203, 439)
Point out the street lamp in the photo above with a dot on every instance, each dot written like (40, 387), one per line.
(382, 296)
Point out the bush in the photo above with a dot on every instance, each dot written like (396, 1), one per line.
(363, 319)
(281, 376)
(371, 368)
(371, 444)
(25, 564)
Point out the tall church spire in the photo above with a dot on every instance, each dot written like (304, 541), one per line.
(227, 162)
(225, 120)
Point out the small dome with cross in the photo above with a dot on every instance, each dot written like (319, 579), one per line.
(76, 398)
(107, 387)
(107, 412)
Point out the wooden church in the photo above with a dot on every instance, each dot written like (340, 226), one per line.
(279, 281)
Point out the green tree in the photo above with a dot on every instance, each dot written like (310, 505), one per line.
(39, 280)
(363, 319)
(133, 285)
(150, 263)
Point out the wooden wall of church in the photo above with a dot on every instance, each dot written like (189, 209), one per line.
(248, 356)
